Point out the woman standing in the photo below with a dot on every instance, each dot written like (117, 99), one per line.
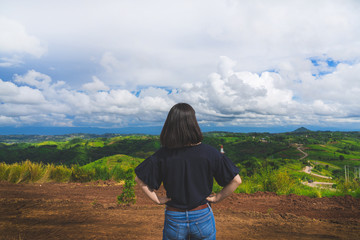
(186, 167)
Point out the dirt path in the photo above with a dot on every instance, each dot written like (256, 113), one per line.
(89, 211)
(300, 150)
(307, 169)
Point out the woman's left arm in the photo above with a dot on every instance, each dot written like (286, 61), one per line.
(150, 193)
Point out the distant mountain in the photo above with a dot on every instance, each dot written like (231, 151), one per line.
(302, 130)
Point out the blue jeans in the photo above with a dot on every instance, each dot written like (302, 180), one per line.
(199, 224)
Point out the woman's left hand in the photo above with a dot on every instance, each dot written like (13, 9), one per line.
(163, 200)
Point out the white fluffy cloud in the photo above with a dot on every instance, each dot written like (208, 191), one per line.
(34, 79)
(163, 43)
(95, 85)
(127, 62)
(11, 93)
(226, 97)
(16, 41)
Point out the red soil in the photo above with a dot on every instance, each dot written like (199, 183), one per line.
(89, 211)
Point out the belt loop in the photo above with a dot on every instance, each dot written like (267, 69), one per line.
(209, 206)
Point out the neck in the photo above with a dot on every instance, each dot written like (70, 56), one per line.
(194, 144)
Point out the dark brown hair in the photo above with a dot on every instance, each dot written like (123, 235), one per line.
(181, 127)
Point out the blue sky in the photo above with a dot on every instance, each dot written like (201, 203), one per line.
(240, 64)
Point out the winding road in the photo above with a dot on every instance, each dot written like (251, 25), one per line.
(307, 169)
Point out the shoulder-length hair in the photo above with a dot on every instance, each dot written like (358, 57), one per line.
(181, 127)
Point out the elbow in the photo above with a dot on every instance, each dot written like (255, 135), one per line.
(237, 179)
(138, 180)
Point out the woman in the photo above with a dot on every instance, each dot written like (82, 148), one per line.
(186, 167)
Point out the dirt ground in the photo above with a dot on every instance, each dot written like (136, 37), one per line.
(89, 211)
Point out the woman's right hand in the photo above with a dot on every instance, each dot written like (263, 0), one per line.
(212, 198)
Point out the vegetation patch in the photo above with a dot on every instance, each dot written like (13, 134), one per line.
(267, 162)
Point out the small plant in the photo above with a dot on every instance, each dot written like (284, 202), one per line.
(128, 194)
(96, 204)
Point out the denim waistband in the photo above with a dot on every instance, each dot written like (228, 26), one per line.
(206, 211)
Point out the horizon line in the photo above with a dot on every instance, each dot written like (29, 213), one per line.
(156, 130)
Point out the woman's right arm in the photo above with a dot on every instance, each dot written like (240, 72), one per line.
(226, 191)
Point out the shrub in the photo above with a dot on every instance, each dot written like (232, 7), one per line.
(245, 187)
(31, 172)
(117, 173)
(80, 174)
(313, 193)
(128, 194)
(265, 180)
(102, 172)
(269, 180)
(4, 171)
(59, 173)
(343, 187)
(283, 183)
(14, 173)
(349, 187)
(216, 187)
(356, 193)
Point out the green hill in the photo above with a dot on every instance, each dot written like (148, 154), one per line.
(267, 162)
(301, 130)
(79, 151)
(125, 162)
(114, 167)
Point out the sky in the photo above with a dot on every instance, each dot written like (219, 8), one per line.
(240, 64)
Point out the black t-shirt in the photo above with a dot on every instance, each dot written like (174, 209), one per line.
(187, 173)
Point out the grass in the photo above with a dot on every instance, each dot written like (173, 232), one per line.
(331, 166)
(114, 167)
(283, 181)
(332, 152)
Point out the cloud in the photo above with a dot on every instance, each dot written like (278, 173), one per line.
(10, 61)
(4, 120)
(282, 62)
(95, 85)
(34, 79)
(338, 89)
(226, 97)
(15, 41)
(13, 94)
(153, 44)
(230, 94)
(109, 62)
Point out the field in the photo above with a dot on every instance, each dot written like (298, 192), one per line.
(71, 187)
(90, 211)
